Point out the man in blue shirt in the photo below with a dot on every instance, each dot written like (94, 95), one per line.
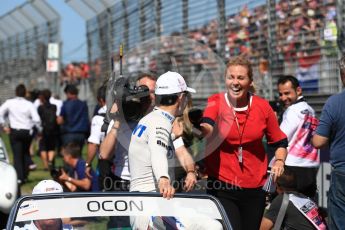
(77, 180)
(74, 118)
(331, 131)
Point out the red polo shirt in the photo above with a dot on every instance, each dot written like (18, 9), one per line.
(222, 147)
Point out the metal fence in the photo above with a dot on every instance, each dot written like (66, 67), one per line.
(281, 37)
(24, 35)
(196, 37)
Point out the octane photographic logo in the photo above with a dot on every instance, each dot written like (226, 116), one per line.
(201, 67)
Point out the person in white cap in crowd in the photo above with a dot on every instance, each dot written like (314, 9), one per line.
(44, 187)
(151, 151)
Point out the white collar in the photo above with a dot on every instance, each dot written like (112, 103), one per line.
(238, 109)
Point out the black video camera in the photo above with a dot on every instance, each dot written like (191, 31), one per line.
(55, 173)
(195, 117)
(132, 101)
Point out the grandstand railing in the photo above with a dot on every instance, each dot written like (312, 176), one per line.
(280, 37)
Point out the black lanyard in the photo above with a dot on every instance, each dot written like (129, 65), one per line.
(240, 148)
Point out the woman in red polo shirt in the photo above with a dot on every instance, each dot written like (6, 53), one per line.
(235, 122)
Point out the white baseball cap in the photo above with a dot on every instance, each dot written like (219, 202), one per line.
(47, 186)
(171, 83)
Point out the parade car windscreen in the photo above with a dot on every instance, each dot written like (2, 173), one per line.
(118, 211)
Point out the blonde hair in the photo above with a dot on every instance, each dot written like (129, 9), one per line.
(187, 125)
(242, 61)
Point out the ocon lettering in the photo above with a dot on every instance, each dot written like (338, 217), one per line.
(118, 205)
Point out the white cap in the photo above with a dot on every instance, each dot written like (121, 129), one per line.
(171, 83)
(47, 186)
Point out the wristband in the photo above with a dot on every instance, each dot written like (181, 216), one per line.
(281, 160)
(193, 171)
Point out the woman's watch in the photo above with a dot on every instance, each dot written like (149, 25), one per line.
(194, 172)
(281, 160)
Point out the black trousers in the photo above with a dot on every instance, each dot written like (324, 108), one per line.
(20, 140)
(244, 207)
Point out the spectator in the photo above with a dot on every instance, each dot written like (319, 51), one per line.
(32, 96)
(53, 100)
(235, 123)
(23, 117)
(300, 213)
(96, 134)
(73, 118)
(299, 124)
(78, 181)
(57, 102)
(47, 143)
(331, 131)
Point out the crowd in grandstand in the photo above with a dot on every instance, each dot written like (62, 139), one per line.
(73, 73)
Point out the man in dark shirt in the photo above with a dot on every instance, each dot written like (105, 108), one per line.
(293, 219)
(47, 143)
(331, 132)
(76, 179)
(74, 118)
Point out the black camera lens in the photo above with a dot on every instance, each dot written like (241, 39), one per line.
(195, 116)
(55, 173)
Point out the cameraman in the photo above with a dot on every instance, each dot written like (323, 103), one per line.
(127, 109)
